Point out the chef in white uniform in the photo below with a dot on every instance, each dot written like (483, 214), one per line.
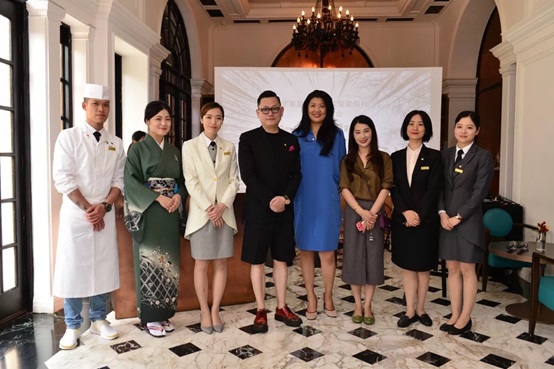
(88, 171)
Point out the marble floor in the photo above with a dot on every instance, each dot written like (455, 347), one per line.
(496, 339)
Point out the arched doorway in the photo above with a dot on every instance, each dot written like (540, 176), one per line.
(175, 86)
(291, 58)
(488, 94)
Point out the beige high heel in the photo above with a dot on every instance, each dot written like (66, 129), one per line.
(312, 315)
(330, 313)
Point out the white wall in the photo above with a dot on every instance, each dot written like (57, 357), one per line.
(532, 43)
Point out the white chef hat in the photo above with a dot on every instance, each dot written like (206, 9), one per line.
(96, 92)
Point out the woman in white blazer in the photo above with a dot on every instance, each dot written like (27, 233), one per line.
(211, 177)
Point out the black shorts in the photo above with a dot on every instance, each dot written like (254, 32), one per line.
(259, 238)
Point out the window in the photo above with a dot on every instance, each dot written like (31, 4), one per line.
(66, 92)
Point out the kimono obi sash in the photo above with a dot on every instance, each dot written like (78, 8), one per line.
(164, 186)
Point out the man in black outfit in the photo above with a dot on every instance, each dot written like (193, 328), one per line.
(269, 160)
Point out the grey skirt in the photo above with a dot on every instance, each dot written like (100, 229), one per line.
(210, 243)
(363, 260)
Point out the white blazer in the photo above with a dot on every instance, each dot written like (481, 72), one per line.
(206, 182)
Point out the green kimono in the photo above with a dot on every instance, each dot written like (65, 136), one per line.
(149, 172)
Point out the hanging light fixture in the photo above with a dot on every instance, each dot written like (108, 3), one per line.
(326, 29)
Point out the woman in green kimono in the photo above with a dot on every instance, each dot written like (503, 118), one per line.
(154, 193)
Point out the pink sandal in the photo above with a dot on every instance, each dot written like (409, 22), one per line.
(155, 329)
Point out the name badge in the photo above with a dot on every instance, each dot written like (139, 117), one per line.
(227, 153)
(111, 148)
(425, 168)
(458, 170)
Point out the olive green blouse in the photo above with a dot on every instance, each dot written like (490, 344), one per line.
(358, 185)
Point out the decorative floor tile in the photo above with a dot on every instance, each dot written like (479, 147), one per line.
(306, 354)
(139, 326)
(269, 284)
(441, 301)
(268, 296)
(400, 314)
(433, 289)
(474, 336)
(488, 303)
(104, 367)
(269, 274)
(349, 299)
(448, 316)
(245, 352)
(419, 335)
(388, 287)
(498, 361)
(124, 347)
(507, 318)
(248, 329)
(533, 339)
(370, 357)
(303, 297)
(307, 331)
(338, 339)
(387, 277)
(397, 301)
(433, 359)
(195, 327)
(184, 349)
(362, 333)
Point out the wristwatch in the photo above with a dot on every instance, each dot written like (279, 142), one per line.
(287, 200)
(107, 206)
(458, 216)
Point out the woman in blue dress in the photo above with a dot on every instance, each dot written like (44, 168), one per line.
(317, 213)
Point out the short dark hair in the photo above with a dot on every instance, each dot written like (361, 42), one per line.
(472, 115)
(154, 107)
(426, 123)
(209, 106)
(138, 135)
(266, 94)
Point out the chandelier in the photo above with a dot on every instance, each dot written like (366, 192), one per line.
(326, 30)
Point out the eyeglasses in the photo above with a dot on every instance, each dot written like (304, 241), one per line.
(266, 110)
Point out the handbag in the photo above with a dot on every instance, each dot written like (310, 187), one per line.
(384, 221)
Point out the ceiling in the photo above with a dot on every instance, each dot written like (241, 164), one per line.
(270, 11)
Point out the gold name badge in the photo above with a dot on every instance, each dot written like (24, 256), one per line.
(425, 168)
(458, 170)
(111, 148)
(227, 153)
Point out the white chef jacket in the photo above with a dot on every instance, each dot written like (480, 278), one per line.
(86, 261)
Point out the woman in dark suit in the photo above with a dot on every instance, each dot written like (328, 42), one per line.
(468, 172)
(417, 173)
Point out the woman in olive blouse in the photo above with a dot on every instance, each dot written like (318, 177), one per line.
(365, 180)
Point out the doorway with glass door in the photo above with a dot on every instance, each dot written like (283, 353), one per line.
(15, 251)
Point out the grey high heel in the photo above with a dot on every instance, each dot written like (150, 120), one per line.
(207, 330)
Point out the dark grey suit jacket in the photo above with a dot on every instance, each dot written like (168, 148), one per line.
(465, 188)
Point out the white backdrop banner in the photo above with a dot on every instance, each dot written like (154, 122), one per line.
(386, 95)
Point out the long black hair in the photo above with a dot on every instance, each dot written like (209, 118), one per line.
(327, 132)
(375, 157)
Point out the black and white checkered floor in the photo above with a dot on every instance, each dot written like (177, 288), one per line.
(496, 340)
